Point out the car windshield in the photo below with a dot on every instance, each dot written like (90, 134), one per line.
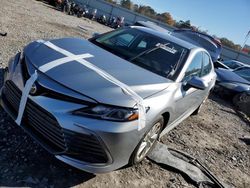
(146, 50)
(244, 73)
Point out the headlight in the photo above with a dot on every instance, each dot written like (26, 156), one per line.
(109, 113)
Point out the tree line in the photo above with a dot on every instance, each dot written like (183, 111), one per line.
(167, 18)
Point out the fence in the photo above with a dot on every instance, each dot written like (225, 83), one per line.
(111, 10)
(228, 53)
(131, 17)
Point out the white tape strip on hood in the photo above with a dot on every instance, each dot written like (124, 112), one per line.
(79, 58)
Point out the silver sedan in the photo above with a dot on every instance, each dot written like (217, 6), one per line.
(83, 116)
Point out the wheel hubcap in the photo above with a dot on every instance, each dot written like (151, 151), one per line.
(148, 141)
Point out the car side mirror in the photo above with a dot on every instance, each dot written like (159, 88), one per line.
(196, 82)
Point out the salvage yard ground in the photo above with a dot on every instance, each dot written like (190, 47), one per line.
(212, 136)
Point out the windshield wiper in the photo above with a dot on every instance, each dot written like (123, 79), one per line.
(157, 46)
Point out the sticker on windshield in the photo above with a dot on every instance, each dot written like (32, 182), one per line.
(165, 47)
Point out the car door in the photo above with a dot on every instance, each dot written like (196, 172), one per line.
(188, 99)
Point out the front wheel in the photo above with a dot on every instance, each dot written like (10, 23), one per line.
(147, 143)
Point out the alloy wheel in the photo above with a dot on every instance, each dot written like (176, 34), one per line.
(148, 141)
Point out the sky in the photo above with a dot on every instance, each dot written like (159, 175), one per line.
(223, 18)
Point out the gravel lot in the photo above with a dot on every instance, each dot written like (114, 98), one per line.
(212, 136)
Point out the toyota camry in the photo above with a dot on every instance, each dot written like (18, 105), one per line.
(102, 103)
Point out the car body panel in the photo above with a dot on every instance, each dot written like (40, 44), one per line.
(229, 76)
(229, 83)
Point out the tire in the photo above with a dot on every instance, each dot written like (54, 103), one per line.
(241, 99)
(154, 133)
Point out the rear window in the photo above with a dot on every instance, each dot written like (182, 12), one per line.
(232, 64)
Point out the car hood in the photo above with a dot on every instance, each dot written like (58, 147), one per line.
(79, 78)
(224, 75)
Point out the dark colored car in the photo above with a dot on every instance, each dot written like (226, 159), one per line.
(232, 83)
(211, 44)
(151, 25)
(233, 64)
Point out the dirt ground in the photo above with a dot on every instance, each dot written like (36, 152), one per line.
(212, 136)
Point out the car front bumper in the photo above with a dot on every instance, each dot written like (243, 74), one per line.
(92, 145)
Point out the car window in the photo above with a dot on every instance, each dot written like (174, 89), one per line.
(142, 44)
(194, 68)
(208, 45)
(118, 38)
(207, 66)
(144, 49)
(232, 64)
(124, 40)
(159, 61)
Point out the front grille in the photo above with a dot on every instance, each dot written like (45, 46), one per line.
(37, 120)
(25, 72)
(44, 127)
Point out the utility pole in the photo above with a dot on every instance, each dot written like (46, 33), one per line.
(246, 38)
(243, 45)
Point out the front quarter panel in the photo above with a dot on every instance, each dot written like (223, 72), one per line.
(161, 103)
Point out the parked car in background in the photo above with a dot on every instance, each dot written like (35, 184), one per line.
(233, 83)
(151, 25)
(243, 67)
(233, 64)
(211, 44)
(85, 119)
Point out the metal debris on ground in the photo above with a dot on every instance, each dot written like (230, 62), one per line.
(186, 164)
(3, 34)
(82, 28)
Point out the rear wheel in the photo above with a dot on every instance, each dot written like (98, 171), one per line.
(147, 143)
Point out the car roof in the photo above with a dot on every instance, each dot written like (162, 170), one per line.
(151, 25)
(167, 36)
(213, 39)
(187, 38)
